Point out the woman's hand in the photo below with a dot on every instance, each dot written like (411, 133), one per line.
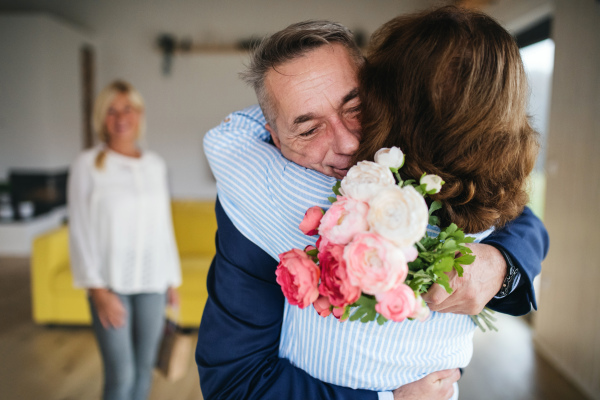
(110, 310)
(435, 386)
(172, 297)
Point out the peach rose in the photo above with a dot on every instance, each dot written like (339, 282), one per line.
(374, 264)
(298, 277)
(334, 278)
(399, 215)
(343, 220)
(311, 221)
(397, 304)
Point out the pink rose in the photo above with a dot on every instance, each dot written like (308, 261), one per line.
(322, 306)
(374, 264)
(335, 283)
(312, 218)
(343, 220)
(421, 311)
(298, 277)
(338, 312)
(397, 304)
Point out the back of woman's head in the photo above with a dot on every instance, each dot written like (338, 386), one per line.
(448, 87)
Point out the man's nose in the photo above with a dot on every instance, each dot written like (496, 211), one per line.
(345, 141)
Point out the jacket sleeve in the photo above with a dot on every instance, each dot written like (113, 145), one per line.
(526, 241)
(238, 339)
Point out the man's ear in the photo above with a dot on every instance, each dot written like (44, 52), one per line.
(273, 135)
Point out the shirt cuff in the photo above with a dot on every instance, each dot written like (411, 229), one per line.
(385, 395)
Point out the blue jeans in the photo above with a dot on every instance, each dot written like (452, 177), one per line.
(129, 352)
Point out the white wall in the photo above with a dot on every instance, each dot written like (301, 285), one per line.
(567, 325)
(40, 111)
(203, 88)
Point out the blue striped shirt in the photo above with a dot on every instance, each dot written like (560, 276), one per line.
(266, 196)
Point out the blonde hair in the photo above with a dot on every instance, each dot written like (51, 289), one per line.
(102, 105)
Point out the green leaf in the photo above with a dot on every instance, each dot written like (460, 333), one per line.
(381, 320)
(451, 229)
(459, 269)
(436, 205)
(346, 313)
(313, 253)
(332, 199)
(433, 220)
(444, 281)
(444, 265)
(465, 259)
(408, 182)
(358, 313)
(336, 188)
(450, 244)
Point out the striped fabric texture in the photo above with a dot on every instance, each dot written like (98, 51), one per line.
(266, 196)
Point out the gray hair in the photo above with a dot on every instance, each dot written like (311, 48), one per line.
(292, 42)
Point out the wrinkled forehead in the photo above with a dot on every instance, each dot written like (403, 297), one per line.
(319, 79)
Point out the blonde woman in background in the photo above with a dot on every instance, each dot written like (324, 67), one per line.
(122, 244)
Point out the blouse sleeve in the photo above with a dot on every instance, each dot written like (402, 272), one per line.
(82, 244)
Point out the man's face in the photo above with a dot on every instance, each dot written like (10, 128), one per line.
(317, 106)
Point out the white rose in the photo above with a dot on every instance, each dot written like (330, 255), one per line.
(365, 180)
(433, 183)
(399, 215)
(391, 158)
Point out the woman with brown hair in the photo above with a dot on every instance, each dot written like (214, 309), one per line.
(122, 243)
(448, 88)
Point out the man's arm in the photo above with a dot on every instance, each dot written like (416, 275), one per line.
(238, 341)
(525, 241)
(263, 193)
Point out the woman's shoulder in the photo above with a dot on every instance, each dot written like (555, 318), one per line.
(86, 157)
(153, 157)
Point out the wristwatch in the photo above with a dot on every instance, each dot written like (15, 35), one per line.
(511, 274)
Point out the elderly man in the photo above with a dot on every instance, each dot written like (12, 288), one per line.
(305, 78)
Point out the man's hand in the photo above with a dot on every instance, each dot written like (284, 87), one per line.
(478, 285)
(435, 386)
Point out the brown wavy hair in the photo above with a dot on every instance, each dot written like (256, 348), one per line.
(448, 87)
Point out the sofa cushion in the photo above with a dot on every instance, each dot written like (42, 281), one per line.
(194, 270)
(195, 224)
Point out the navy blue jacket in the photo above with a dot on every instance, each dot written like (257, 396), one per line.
(238, 339)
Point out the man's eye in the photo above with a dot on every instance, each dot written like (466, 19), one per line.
(308, 133)
(353, 112)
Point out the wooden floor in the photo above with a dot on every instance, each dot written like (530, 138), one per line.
(62, 363)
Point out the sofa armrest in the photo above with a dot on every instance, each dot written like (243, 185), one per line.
(50, 253)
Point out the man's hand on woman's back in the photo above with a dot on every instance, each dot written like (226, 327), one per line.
(435, 386)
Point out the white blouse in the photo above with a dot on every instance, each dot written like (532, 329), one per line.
(120, 225)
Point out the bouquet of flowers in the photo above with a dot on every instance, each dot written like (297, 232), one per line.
(375, 254)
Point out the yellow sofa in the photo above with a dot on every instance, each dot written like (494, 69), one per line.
(56, 301)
